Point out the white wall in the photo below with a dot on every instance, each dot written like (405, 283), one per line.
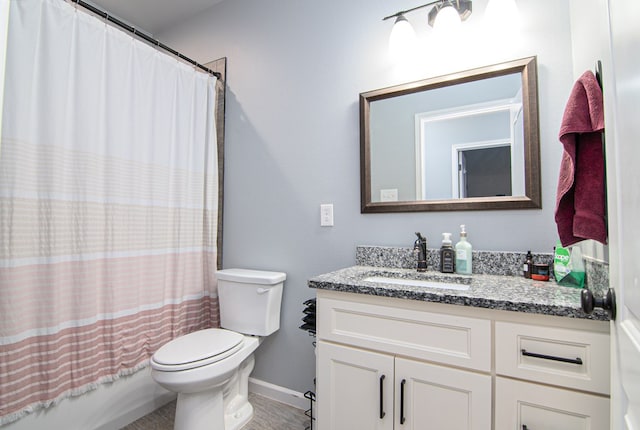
(295, 69)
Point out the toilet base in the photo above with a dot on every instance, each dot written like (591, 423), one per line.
(207, 412)
(239, 418)
(237, 409)
(222, 408)
(215, 396)
(199, 411)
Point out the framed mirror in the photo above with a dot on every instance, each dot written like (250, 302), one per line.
(464, 141)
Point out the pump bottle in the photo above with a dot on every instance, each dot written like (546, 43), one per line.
(447, 255)
(463, 254)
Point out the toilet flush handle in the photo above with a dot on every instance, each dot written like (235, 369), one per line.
(262, 290)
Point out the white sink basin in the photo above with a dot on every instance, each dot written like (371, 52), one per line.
(417, 283)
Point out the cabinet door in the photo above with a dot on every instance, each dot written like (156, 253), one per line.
(354, 388)
(526, 406)
(437, 397)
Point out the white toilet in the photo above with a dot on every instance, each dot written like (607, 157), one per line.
(209, 369)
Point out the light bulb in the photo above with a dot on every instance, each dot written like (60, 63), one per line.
(447, 20)
(502, 24)
(402, 41)
(447, 23)
(502, 14)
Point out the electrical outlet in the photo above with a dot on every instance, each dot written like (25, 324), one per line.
(389, 195)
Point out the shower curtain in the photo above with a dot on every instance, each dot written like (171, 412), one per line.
(108, 204)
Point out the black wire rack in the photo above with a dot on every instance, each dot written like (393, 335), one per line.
(309, 412)
(309, 325)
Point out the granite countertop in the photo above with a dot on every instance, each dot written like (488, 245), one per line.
(508, 293)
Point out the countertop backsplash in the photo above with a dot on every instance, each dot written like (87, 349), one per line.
(484, 262)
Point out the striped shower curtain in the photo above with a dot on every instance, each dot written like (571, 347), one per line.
(108, 204)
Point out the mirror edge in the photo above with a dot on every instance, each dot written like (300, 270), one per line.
(532, 200)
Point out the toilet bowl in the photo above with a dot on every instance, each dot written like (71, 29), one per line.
(209, 369)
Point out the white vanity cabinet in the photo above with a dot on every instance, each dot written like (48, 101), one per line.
(388, 363)
(369, 390)
(381, 367)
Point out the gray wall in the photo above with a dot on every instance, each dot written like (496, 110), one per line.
(295, 69)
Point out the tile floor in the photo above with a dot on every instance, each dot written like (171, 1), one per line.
(268, 415)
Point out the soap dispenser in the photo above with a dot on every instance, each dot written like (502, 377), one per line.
(447, 255)
(420, 248)
(463, 254)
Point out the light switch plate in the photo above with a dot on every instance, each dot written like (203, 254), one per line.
(326, 215)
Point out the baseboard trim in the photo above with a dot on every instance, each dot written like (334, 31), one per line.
(278, 393)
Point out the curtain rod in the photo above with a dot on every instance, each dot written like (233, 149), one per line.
(144, 36)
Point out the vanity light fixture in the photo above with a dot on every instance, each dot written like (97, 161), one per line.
(462, 7)
(445, 17)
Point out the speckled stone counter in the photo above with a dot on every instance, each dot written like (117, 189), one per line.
(484, 263)
(509, 293)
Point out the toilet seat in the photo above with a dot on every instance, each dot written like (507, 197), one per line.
(197, 349)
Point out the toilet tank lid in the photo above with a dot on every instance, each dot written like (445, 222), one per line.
(251, 276)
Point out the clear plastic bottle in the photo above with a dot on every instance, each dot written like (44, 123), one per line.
(464, 265)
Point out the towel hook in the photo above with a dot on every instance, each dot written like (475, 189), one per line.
(599, 73)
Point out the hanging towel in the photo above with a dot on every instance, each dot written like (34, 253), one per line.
(580, 204)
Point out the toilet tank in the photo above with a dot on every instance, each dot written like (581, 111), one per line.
(250, 300)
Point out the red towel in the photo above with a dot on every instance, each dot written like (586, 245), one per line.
(580, 204)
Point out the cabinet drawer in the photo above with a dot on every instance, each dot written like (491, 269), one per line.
(449, 339)
(523, 405)
(565, 357)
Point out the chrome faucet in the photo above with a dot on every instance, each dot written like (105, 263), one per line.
(420, 249)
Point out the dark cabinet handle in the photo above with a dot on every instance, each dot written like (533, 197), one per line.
(402, 419)
(382, 413)
(551, 357)
(608, 302)
(524, 427)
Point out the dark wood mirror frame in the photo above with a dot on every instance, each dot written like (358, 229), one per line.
(532, 198)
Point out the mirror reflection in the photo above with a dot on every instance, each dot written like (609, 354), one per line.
(462, 141)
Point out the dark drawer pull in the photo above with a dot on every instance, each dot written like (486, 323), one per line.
(524, 427)
(551, 357)
(382, 412)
